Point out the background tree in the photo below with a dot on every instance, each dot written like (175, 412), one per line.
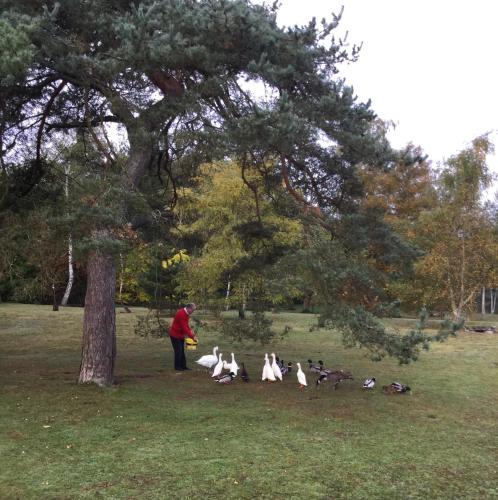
(458, 236)
(236, 221)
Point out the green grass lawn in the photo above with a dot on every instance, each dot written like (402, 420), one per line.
(159, 434)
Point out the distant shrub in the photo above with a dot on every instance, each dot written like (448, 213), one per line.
(256, 328)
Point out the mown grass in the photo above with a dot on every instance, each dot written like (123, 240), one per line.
(158, 434)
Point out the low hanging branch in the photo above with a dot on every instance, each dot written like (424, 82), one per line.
(308, 208)
(95, 138)
(45, 114)
(252, 186)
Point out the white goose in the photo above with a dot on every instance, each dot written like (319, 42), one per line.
(233, 366)
(209, 360)
(218, 367)
(301, 377)
(267, 371)
(275, 368)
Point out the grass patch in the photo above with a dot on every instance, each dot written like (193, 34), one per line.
(159, 434)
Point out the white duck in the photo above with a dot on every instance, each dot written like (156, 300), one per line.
(209, 360)
(233, 366)
(267, 371)
(276, 369)
(301, 377)
(218, 367)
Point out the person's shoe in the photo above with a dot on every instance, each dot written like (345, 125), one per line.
(187, 369)
(179, 369)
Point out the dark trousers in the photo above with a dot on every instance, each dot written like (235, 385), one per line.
(179, 348)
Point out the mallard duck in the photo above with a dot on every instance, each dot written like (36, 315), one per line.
(312, 367)
(243, 374)
(369, 383)
(226, 379)
(284, 368)
(209, 360)
(233, 366)
(267, 371)
(280, 362)
(335, 377)
(219, 366)
(301, 377)
(323, 370)
(276, 369)
(396, 388)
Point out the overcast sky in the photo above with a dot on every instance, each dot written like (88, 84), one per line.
(427, 65)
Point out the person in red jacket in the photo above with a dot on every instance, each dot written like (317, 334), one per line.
(178, 331)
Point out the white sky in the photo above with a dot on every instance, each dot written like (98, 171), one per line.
(427, 65)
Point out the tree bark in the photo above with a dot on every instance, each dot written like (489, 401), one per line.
(98, 351)
(99, 322)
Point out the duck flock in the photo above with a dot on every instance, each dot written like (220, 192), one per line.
(225, 372)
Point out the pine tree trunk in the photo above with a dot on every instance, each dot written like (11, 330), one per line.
(99, 323)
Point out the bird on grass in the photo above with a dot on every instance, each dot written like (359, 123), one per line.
(334, 377)
(281, 364)
(313, 368)
(233, 366)
(243, 374)
(321, 379)
(267, 371)
(285, 369)
(323, 370)
(369, 383)
(396, 388)
(209, 360)
(225, 379)
(219, 366)
(301, 377)
(276, 369)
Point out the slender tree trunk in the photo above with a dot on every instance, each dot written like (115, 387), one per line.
(70, 280)
(121, 278)
(493, 300)
(242, 307)
(55, 306)
(307, 303)
(483, 301)
(227, 298)
(98, 351)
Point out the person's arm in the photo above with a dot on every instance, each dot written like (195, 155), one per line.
(186, 328)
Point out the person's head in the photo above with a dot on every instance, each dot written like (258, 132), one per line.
(190, 308)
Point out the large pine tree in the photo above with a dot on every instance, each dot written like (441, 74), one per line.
(175, 76)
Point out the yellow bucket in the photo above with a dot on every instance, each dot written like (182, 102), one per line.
(190, 344)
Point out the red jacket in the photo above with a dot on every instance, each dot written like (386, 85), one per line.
(180, 328)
